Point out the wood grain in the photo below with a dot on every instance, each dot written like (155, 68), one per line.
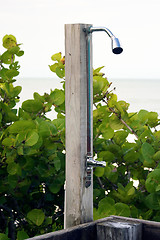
(78, 199)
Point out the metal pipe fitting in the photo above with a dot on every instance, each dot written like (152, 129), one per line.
(116, 46)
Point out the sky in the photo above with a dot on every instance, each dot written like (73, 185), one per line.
(39, 25)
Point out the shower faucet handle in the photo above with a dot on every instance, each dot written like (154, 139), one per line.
(90, 163)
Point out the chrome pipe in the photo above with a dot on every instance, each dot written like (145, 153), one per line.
(115, 44)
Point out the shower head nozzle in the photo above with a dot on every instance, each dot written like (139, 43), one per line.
(116, 46)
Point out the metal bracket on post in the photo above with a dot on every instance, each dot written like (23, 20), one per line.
(90, 163)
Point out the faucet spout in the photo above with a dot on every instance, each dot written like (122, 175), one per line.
(116, 46)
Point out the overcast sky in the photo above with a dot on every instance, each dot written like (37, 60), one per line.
(39, 25)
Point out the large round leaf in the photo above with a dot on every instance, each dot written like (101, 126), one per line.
(108, 133)
(21, 235)
(36, 216)
(106, 206)
(57, 97)
(31, 138)
(9, 41)
(47, 129)
(32, 106)
(122, 210)
(21, 126)
(152, 201)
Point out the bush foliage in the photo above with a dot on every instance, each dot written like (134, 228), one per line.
(32, 156)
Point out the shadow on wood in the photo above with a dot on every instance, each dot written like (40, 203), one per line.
(110, 228)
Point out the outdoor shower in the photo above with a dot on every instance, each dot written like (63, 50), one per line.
(116, 49)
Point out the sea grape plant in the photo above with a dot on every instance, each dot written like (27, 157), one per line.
(32, 154)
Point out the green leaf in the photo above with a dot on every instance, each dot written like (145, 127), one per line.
(115, 123)
(16, 91)
(14, 50)
(32, 106)
(47, 129)
(36, 216)
(48, 221)
(9, 41)
(99, 171)
(38, 97)
(13, 168)
(108, 133)
(120, 137)
(54, 187)
(56, 56)
(99, 83)
(152, 119)
(156, 156)
(106, 206)
(21, 235)
(57, 97)
(152, 201)
(57, 163)
(107, 156)
(20, 53)
(12, 180)
(12, 73)
(60, 72)
(53, 67)
(124, 105)
(112, 100)
(31, 138)
(21, 126)
(111, 173)
(131, 191)
(158, 188)
(96, 194)
(153, 181)
(143, 116)
(122, 210)
(3, 236)
(131, 156)
(7, 58)
(97, 71)
(8, 142)
(147, 151)
(59, 123)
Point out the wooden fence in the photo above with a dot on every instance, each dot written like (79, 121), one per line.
(111, 228)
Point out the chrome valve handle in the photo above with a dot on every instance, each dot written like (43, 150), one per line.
(90, 163)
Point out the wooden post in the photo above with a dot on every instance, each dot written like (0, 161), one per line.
(118, 230)
(78, 198)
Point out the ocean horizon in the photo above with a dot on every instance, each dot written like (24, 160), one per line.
(139, 93)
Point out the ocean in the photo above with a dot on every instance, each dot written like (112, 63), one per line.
(139, 93)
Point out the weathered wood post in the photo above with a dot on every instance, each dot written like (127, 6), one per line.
(78, 198)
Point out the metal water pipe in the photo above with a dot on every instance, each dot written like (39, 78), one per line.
(116, 49)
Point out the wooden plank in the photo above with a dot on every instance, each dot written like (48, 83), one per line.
(78, 199)
(81, 232)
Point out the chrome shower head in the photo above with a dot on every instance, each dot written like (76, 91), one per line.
(116, 47)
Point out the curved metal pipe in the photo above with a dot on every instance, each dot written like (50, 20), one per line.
(98, 29)
(116, 46)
